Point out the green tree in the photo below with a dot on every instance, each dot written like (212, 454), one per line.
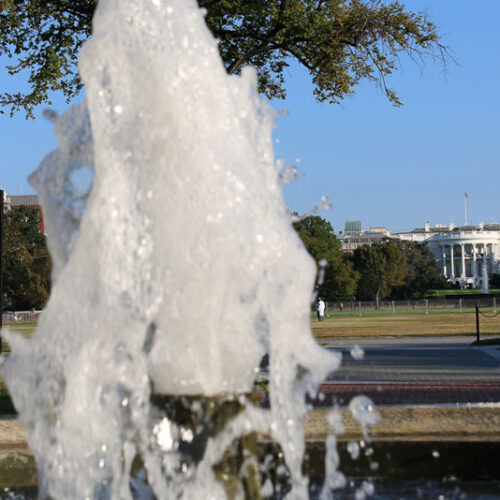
(495, 281)
(340, 42)
(422, 272)
(382, 268)
(339, 278)
(27, 264)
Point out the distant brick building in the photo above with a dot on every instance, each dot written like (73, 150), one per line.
(30, 200)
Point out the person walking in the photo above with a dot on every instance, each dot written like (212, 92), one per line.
(320, 308)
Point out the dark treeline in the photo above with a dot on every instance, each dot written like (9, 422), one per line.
(392, 270)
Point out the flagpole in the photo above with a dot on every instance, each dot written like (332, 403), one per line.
(465, 200)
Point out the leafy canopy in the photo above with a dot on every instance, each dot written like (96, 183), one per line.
(339, 42)
(382, 268)
(422, 272)
(26, 261)
(336, 276)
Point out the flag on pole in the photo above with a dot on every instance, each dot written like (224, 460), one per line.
(466, 196)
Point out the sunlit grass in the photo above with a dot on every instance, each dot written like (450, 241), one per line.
(25, 329)
(373, 324)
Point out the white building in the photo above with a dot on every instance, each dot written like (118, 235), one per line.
(464, 254)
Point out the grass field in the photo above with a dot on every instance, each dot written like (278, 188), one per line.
(458, 293)
(25, 329)
(405, 323)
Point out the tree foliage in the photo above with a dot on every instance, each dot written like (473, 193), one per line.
(339, 42)
(382, 268)
(27, 264)
(336, 276)
(495, 281)
(422, 272)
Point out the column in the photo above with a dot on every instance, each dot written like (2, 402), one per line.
(443, 259)
(492, 257)
(474, 264)
(462, 252)
(452, 264)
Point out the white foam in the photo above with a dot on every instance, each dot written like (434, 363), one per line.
(175, 274)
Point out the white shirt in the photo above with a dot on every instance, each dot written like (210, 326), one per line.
(321, 307)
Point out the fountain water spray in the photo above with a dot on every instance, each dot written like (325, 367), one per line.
(484, 273)
(175, 268)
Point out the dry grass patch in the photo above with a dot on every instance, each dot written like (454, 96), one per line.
(401, 324)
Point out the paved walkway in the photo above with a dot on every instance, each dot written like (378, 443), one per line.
(413, 371)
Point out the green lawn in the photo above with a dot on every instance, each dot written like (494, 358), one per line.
(442, 293)
(405, 323)
(26, 329)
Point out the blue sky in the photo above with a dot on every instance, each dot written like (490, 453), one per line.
(396, 167)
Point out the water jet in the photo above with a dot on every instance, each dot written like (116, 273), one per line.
(175, 270)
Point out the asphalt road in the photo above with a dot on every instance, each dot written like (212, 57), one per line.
(419, 371)
(437, 359)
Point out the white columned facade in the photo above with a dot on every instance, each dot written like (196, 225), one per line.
(445, 241)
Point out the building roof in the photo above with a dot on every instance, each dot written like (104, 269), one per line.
(23, 199)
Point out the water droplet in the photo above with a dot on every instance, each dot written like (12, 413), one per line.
(334, 420)
(50, 115)
(288, 175)
(186, 435)
(357, 353)
(368, 487)
(364, 411)
(353, 449)
(281, 470)
(164, 435)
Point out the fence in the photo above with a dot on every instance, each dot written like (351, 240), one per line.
(427, 317)
(459, 304)
(20, 316)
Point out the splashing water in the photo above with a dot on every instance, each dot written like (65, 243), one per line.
(175, 267)
(364, 411)
(357, 352)
(484, 274)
